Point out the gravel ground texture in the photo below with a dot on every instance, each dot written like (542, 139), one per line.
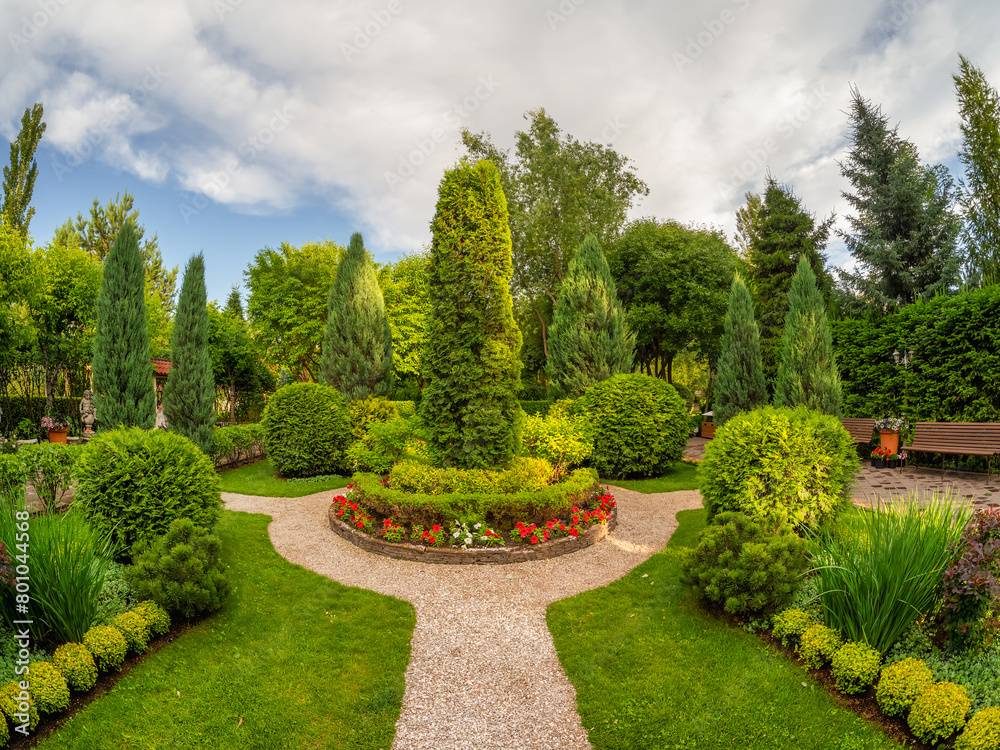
(483, 667)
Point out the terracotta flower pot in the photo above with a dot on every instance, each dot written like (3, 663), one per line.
(889, 439)
(58, 436)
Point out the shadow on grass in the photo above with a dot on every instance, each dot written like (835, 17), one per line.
(262, 479)
(681, 477)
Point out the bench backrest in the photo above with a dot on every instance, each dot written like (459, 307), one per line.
(957, 435)
(860, 430)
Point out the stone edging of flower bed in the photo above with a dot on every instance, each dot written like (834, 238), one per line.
(479, 555)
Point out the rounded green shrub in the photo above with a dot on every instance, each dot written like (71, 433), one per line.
(77, 665)
(367, 411)
(108, 647)
(307, 428)
(48, 687)
(743, 566)
(790, 624)
(182, 571)
(818, 646)
(135, 629)
(638, 423)
(156, 617)
(132, 484)
(855, 667)
(939, 712)
(781, 466)
(12, 699)
(982, 732)
(900, 684)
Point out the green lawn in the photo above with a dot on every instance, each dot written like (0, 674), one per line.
(262, 478)
(681, 477)
(673, 677)
(304, 661)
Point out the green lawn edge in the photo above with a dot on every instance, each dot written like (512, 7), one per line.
(651, 669)
(304, 661)
(262, 479)
(680, 477)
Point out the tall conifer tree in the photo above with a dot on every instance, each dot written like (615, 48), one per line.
(19, 177)
(739, 382)
(189, 395)
(357, 340)
(588, 339)
(471, 362)
(124, 391)
(807, 370)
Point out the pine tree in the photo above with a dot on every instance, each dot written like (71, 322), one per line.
(234, 305)
(807, 371)
(588, 339)
(189, 395)
(19, 177)
(124, 391)
(739, 381)
(471, 362)
(357, 340)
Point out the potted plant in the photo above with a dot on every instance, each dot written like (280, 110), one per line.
(888, 429)
(902, 459)
(892, 460)
(58, 428)
(879, 455)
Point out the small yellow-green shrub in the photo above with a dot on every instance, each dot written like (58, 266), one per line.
(367, 411)
(561, 441)
(982, 732)
(48, 687)
(900, 685)
(790, 624)
(135, 629)
(818, 645)
(525, 474)
(4, 732)
(939, 712)
(107, 645)
(77, 665)
(156, 617)
(855, 667)
(10, 704)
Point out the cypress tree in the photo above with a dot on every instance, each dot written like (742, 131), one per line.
(807, 370)
(189, 395)
(588, 339)
(124, 391)
(471, 363)
(739, 380)
(357, 340)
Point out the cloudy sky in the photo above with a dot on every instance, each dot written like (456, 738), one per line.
(244, 123)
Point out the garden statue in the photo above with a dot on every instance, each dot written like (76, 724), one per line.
(88, 413)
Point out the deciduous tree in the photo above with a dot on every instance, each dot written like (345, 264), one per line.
(19, 176)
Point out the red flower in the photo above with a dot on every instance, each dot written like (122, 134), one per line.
(361, 524)
(534, 540)
(574, 532)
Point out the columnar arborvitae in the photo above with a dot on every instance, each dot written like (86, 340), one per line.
(471, 363)
(807, 370)
(189, 395)
(357, 340)
(739, 380)
(124, 391)
(588, 339)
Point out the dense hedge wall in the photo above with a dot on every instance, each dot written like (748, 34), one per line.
(16, 408)
(956, 373)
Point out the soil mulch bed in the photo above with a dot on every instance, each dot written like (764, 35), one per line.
(48, 724)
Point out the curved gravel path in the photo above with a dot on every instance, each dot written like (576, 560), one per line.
(483, 667)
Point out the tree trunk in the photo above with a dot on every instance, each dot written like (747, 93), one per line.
(51, 381)
(232, 398)
(545, 340)
(670, 369)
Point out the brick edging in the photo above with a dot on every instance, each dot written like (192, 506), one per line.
(478, 556)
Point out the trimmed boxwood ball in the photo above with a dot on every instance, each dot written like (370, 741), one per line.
(307, 427)
(135, 629)
(10, 702)
(132, 484)
(818, 645)
(48, 687)
(156, 617)
(780, 466)
(790, 624)
(108, 647)
(855, 667)
(982, 732)
(4, 732)
(639, 425)
(900, 684)
(939, 712)
(77, 665)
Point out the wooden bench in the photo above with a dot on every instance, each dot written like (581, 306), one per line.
(957, 439)
(860, 430)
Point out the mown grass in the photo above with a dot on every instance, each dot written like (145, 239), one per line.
(302, 660)
(653, 670)
(262, 479)
(680, 477)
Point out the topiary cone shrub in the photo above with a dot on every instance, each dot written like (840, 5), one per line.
(307, 428)
(639, 424)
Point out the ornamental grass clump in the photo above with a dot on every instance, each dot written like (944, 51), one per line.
(855, 667)
(108, 647)
(790, 624)
(818, 646)
(887, 571)
(939, 712)
(77, 665)
(49, 690)
(982, 732)
(900, 684)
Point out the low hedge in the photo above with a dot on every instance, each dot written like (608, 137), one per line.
(237, 443)
(16, 408)
(499, 509)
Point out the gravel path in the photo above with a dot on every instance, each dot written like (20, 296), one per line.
(483, 667)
